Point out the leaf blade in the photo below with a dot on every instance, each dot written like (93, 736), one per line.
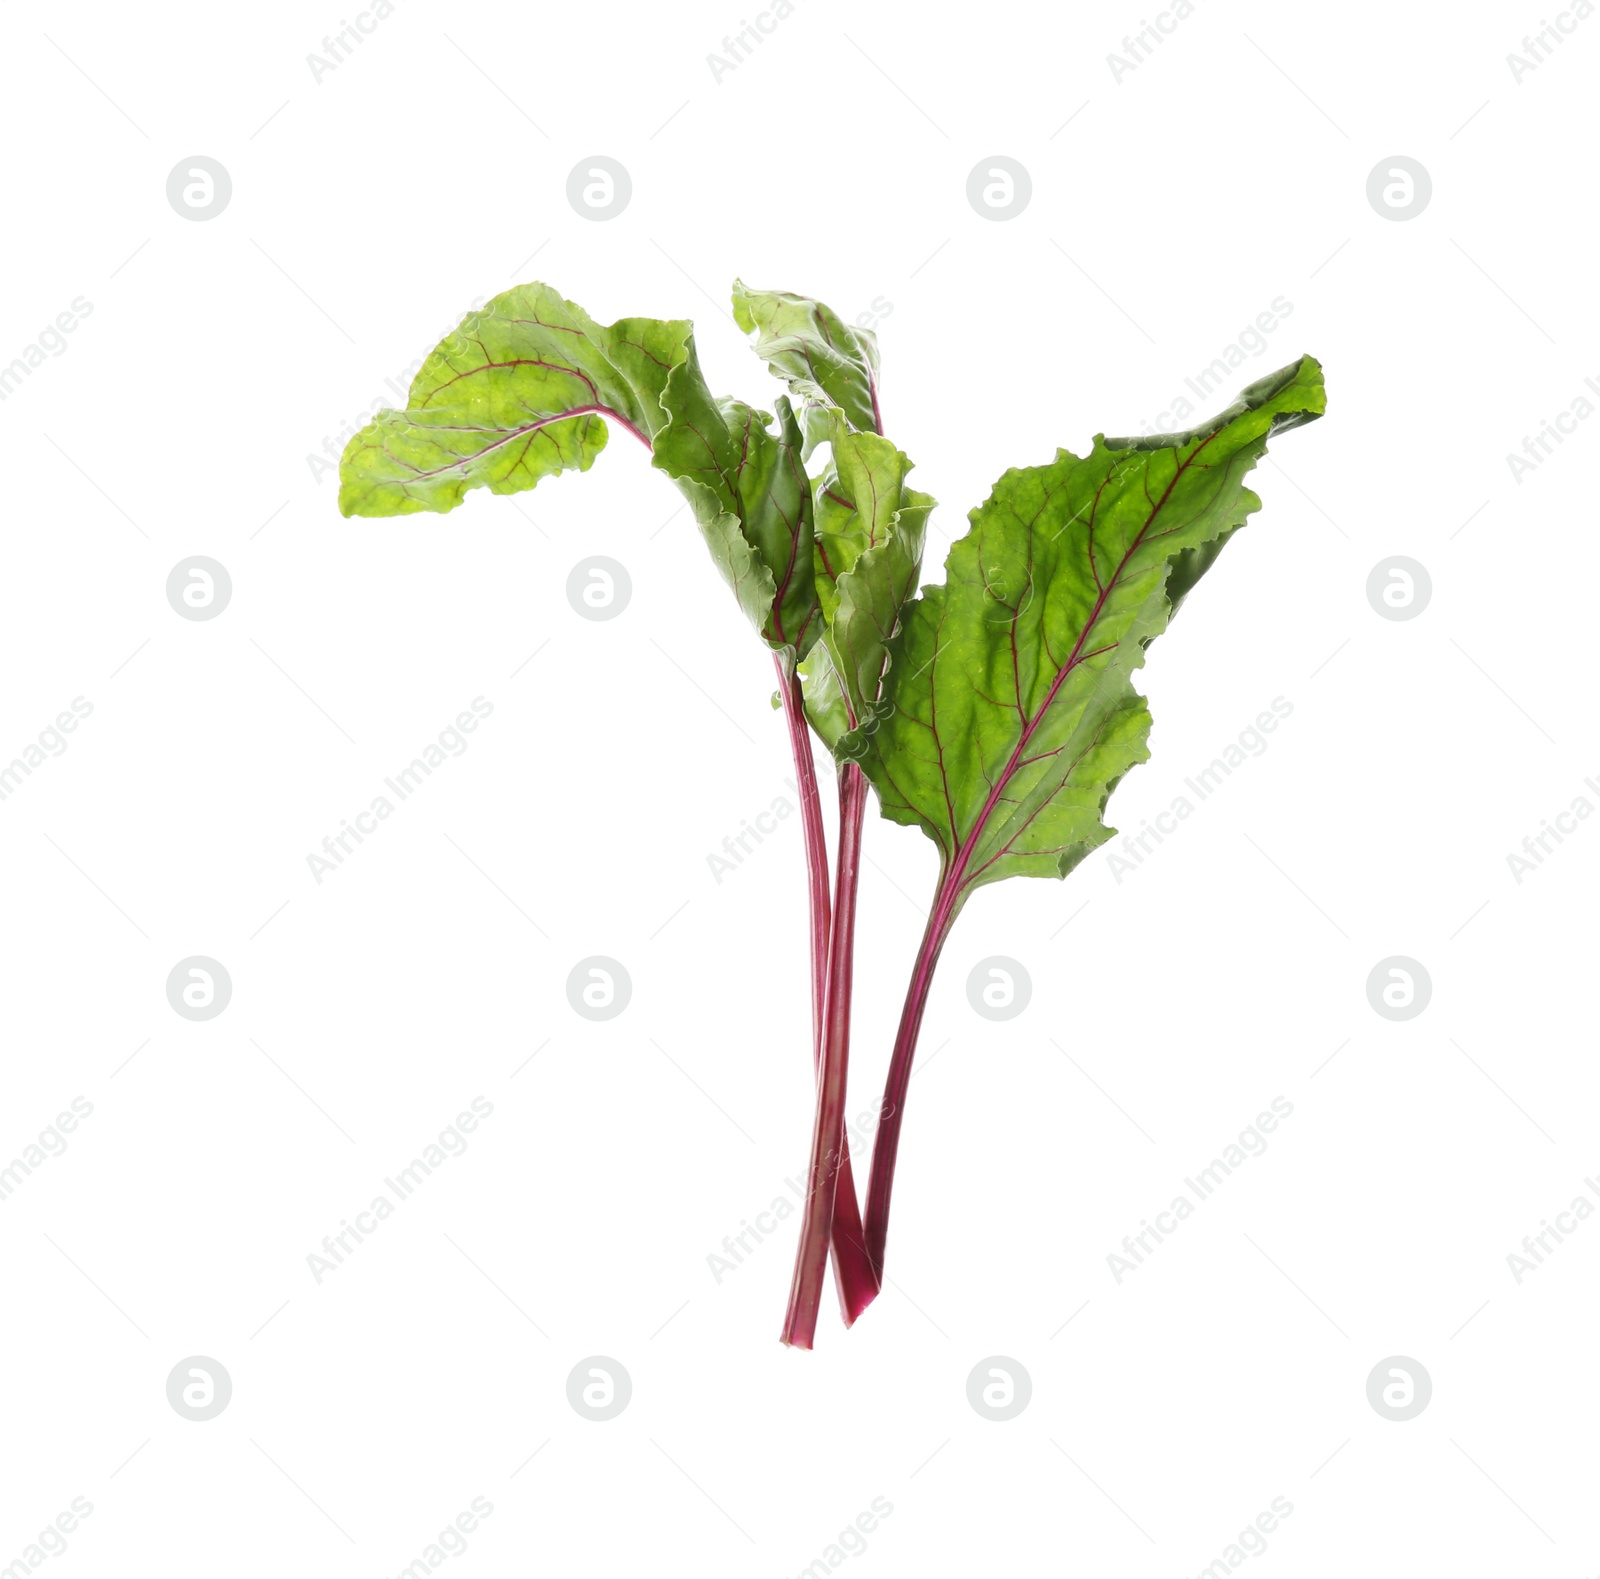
(1009, 712)
(751, 497)
(517, 392)
(823, 360)
(870, 531)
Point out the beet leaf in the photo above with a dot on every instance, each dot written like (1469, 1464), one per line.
(996, 712)
(1008, 714)
(869, 531)
(524, 389)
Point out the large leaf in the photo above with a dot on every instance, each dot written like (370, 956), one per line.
(870, 529)
(824, 361)
(519, 391)
(1009, 712)
(526, 387)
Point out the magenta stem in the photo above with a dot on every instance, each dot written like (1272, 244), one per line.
(880, 1184)
(828, 1141)
(816, 841)
(852, 1271)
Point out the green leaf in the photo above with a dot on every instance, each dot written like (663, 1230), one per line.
(521, 390)
(824, 361)
(870, 529)
(1009, 712)
(526, 388)
(752, 498)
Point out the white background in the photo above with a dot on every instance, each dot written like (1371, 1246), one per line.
(369, 210)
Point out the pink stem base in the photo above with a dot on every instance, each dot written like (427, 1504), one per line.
(880, 1184)
(852, 1271)
(829, 1146)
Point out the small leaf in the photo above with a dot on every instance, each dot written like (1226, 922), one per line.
(1009, 713)
(870, 531)
(521, 390)
(824, 361)
(752, 498)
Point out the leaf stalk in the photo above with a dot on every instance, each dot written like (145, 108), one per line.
(854, 1279)
(828, 1178)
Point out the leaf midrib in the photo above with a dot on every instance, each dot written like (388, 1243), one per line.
(507, 438)
(954, 881)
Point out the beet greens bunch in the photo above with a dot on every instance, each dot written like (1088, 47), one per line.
(996, 712)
